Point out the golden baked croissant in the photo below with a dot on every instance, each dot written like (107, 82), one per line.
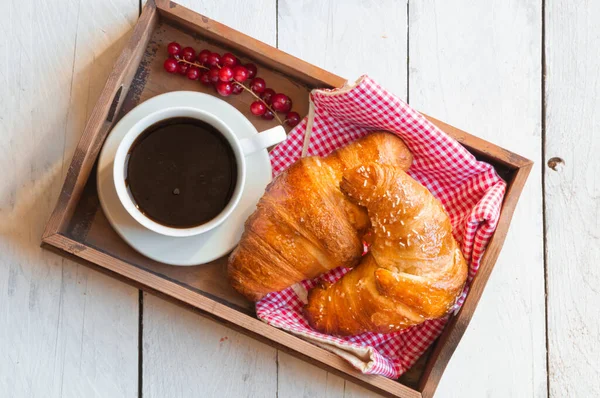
(414, 271)
(304, 225)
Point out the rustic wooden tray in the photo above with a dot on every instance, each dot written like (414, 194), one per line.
(78, 227)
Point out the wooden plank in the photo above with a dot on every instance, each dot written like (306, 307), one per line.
(153, 79)
(296, 378)
(231, 316)
(195, 355)
(224, 315)
(190, 356)
(349, 38)
(572, 193)
(477, 66)
(209, 306)
(444, 347)
(342, 38)
(265, 54)
(64, 330)
(100, 121)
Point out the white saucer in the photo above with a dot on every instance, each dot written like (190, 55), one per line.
(193, 250)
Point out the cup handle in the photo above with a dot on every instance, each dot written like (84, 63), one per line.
(263, 140)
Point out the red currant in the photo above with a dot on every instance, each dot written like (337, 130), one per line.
(225, 74)
(224, 88)
(268, 115)
(193, 73)
(188, 54)
(229, 59)
(182, 68)
(258, 108)
(170, 65)
(292, 119)
(237, 89)
(214, 59)
(281, 103)
(258, 85)
(240, 73)
(267, 95)
(203, 56)
(213, 74)
(251, 70)
(173, 48)
(205, 78)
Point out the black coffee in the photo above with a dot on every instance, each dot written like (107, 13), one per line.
(181, 172)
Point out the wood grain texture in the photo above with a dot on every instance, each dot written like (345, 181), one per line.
(99, 122)
(477, 66)
(349, 38)
(153, 80)
(225, 314)
(194, 355)
(288, 384)
(243, 44)
(76, 248)
(190, 356)
(572, 194)
(342, 38)
(64, 330)
(297, 378)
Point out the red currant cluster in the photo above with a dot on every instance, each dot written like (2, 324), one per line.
(228, 76)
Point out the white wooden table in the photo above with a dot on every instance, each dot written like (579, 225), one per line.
(520, 73)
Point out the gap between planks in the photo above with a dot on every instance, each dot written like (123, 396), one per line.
(542, 166)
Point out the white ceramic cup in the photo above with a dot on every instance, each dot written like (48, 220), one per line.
(241, 148)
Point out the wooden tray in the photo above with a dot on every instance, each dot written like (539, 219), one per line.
(79, 229)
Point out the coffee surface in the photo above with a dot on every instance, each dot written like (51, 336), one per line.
(181, 172)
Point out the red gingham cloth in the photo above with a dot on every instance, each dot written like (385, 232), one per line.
(470, 191)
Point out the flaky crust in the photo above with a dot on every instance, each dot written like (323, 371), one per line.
(414, 271)
(304, 225)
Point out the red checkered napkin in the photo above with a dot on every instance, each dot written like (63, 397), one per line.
(470, 190)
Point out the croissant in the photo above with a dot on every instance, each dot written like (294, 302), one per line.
(414, 270)
(304, 225)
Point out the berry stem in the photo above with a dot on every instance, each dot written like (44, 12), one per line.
(192, 63)
(239, 84)
(261, 100)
